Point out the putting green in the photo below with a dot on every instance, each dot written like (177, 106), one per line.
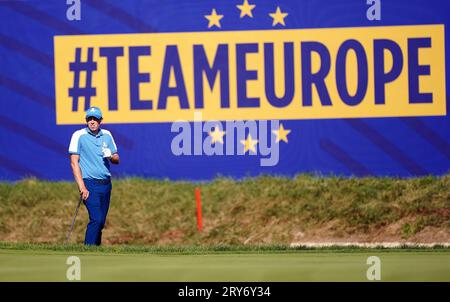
(38, 265)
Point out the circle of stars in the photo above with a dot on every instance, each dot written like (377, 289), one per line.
(246, 10)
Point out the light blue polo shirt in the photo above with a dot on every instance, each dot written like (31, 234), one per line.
(89, 147)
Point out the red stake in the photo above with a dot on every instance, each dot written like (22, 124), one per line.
(199, 209)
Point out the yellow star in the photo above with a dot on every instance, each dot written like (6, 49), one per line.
(216, 135)
(278, 17)
(214, 19)
(249, 144)
(246, 9)
(281, 134)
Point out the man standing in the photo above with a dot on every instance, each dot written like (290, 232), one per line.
(91, 150)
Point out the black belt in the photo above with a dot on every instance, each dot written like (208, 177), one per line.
(99, 181)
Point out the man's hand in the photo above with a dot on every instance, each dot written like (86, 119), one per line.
(107, 153)
(84, 193)
(115, 158)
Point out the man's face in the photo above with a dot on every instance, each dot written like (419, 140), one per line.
(93, 123)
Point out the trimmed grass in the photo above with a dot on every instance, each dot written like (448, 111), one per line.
(35, 263)
(260, 210)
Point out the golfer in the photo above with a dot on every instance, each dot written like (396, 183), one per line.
(91, 150)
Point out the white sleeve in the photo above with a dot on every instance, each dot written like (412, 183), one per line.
(74, 147)
(113, 147)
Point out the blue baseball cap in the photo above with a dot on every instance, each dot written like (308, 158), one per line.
(95, 112)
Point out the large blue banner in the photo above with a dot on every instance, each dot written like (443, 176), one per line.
(198, 89)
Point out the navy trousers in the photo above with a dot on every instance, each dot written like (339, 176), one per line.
(97, 205)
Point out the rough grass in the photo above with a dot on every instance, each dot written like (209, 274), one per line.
(261, 210)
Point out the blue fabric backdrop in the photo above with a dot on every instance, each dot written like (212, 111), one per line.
(31, 144)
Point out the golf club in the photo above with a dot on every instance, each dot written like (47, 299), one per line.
(74, 217)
